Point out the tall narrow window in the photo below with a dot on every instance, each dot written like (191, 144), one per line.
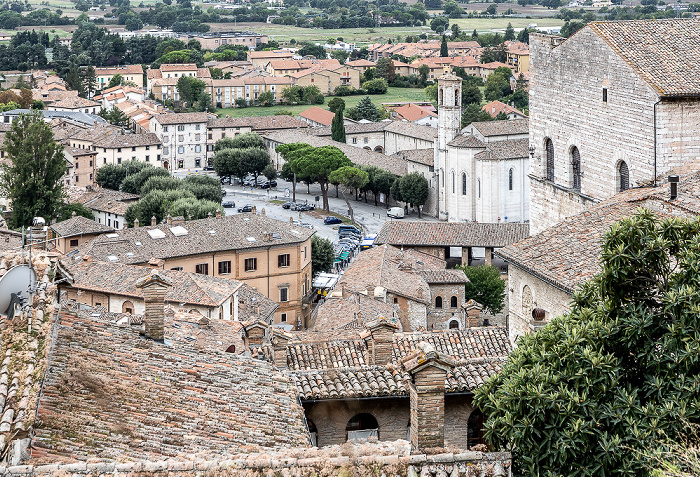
(510, 179)
(438, 302)
(464, 184)
(605, 95)
(453, 182)
(478, 188)
(575, 168)
(624, 173)
(549, 149)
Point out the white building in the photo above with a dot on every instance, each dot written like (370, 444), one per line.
(184, 138)
(481, 169)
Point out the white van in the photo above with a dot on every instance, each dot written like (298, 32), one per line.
(395, 212)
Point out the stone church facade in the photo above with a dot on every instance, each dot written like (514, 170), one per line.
(481, 169)
(612, 107)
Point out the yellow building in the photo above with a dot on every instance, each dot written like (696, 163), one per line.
(131, 73)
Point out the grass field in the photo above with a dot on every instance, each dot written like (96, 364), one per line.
(393, 95)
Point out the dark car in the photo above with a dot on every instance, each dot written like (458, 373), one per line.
(229, 204)
(246, 208)
(332, 220)
(288, 205)
(223, 192)
(303, 207)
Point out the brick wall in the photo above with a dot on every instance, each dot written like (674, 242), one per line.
(427, 393)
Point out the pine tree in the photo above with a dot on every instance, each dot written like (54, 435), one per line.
(510, 33)
(443, 48)
(338, 126)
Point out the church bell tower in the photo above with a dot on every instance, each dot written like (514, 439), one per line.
(449, 127)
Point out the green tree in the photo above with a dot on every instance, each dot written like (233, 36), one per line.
(135, 179)
(385, 69)
(317, 163)
(492, 9)
(203, 187)
(335, 104)
(382, 183)
(247, 140)
(352, 177)
(317, 51)
(338, 126)
(444, 52)
(375, 86)
(395, 190)
(414, 190)
(365, 109)
(423, 72)
(439, 24)
(270, 172)
(116, 80)
(32, 174)
(593, 391)
(253, 161)
(471, 94)
(290, 152)
(227, 162)
(474, 114)
(485, 287)
(496, 87)
(190, 89)
(322, 255)
(266, 99)
(154, 204)
(115, 116)
(88, 79)
(66, 212)
(510, 33)
(160, 183)
(193, 209)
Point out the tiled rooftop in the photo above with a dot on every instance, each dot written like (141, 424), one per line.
(451, 234)
(419, 131)
(107, 200)
(181, 118)
(346, 315)
(259, 123)
(318, 115)
(662, 52)
(79, 225)
(233, 232)
(421, 156)
(503, 128)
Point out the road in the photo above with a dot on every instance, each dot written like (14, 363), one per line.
(371, 217)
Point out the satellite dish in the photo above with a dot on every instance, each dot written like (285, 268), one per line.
(15, 286)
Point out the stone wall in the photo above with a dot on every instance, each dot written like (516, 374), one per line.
(359, 460)
(566, 105)
(554, 301)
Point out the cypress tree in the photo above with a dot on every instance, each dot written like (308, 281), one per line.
(338, 126)
(443, 48)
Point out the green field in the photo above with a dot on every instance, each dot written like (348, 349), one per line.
(393, 95)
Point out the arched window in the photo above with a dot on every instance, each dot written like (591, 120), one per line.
(475, 428)
(457, 97)
(464, 184)
(128, 307)
(453, 182)
(438, 302)
(624, 174)
(527, 300)
(510, 179)
(454, 325)
(453, 302)
(379, 149)
(549, 150)
(575, 168)
(362, 426)
(440, 103)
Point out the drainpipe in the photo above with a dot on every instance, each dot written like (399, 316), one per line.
(655, 104)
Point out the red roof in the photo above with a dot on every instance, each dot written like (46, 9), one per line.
(496, 107)
(319, 115)
(412, 112)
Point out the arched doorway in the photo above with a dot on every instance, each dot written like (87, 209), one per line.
(362, 426)
(128, 307)
(475, 428)
(454, 325)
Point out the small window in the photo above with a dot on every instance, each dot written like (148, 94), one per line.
(624, 175)
(396, 301)
(251, 264)
(181, 128)
(284, 294)
(181, 149)
(202, 268)
(181, 138)
(133, 148)
(73, 242)
(119, 149)
(177, 269)
(119, 160)
(438, 302)
(225, 267)
(549, 150)
(464, 184)
(453, 302)
(453, 181)
(165, 128)
(283, 260)
(148, 158)
(283, 317)
(605, 95)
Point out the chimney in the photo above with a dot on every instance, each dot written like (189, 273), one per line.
(87, 258)
(156, 263)
(153, 220)
(153, 288)
(280, 340)
(291, 220)
(254, 210)
(73, 214)
(255, 333)
(136, 223)
(262, 211)
(209, 215)
(428, 370)
(673, 180)
(218, 213)
(382, 340)
(169, 219)
(370, 291)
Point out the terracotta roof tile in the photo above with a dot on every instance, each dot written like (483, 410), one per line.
(318, 115)
(79, 225)
(503, 128)
(451, 234)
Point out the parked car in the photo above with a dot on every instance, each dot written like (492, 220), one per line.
(288, 205)
(268, 184)
(223, 192)
(330, 220)
(229, 204)
(246, 208)
(303, 207)
(349, 228)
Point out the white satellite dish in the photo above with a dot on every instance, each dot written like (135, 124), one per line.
(16, 284)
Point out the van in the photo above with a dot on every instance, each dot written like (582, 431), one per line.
(395, 212)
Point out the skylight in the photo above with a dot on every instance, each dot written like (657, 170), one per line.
(112, 258)
(212, 232)
(178, 231)
(251, 239)
(112, 235)
(137, 243)
(276, 236)
(156, 234)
